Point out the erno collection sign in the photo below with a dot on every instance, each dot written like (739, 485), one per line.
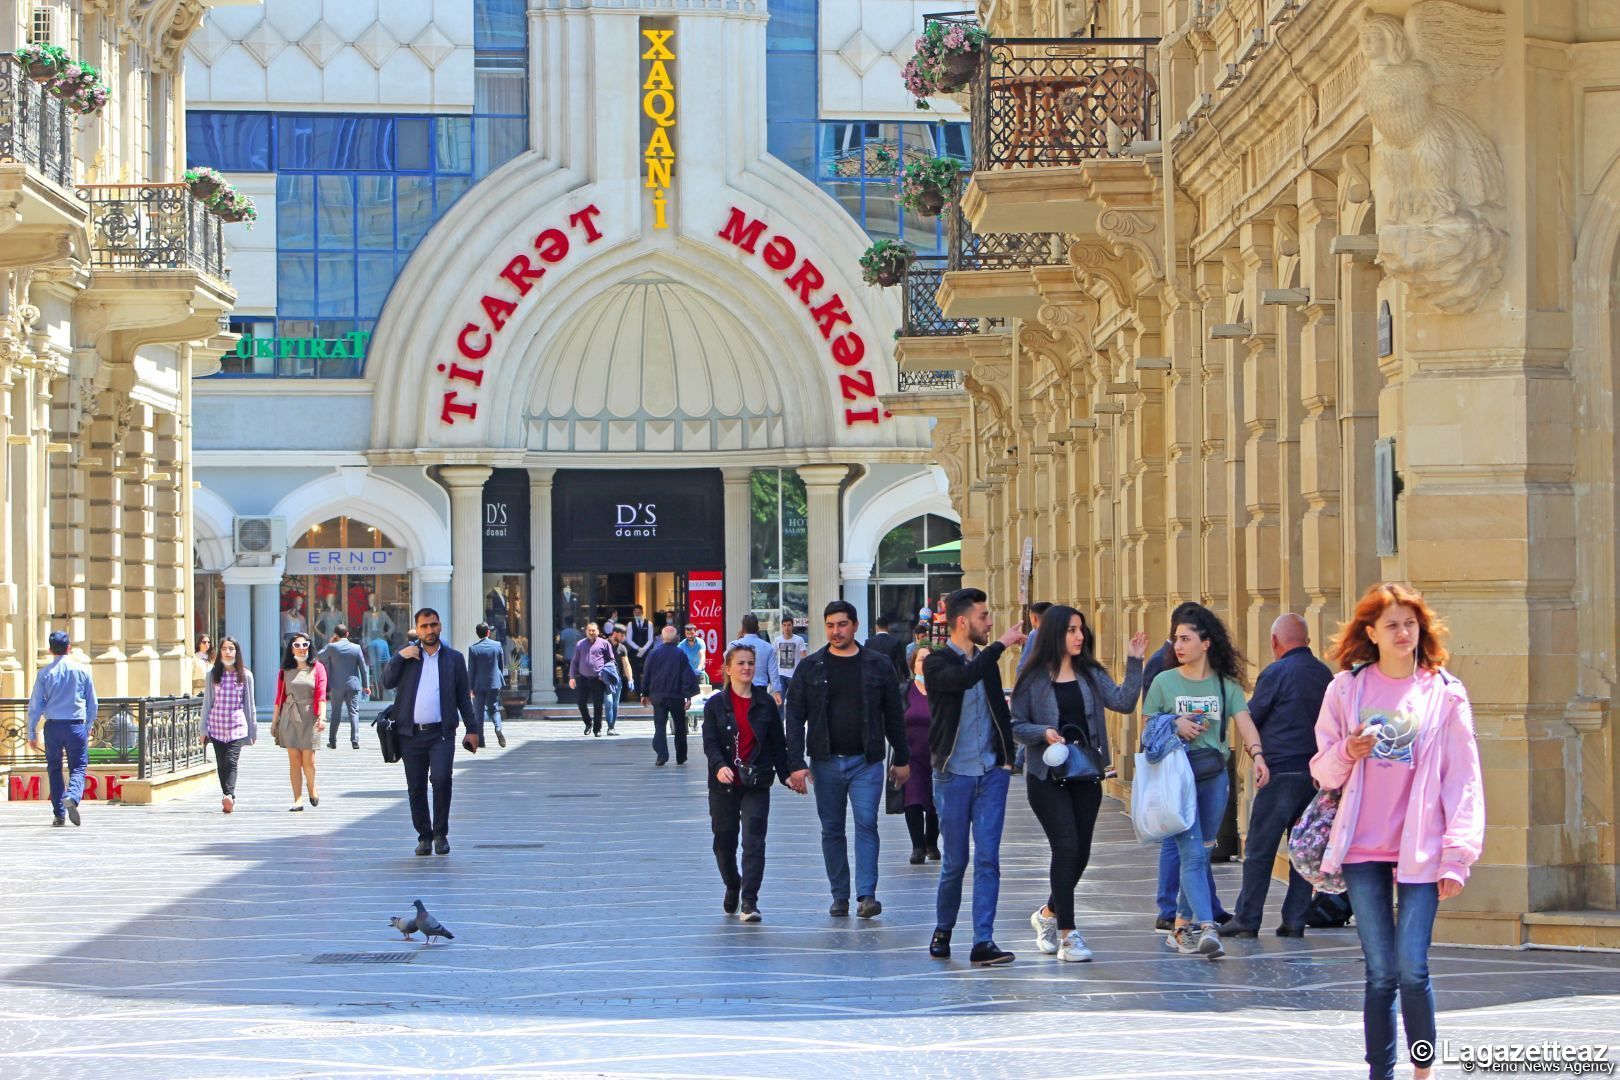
(345, 561)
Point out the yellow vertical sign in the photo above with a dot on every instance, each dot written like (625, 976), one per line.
(658, 106)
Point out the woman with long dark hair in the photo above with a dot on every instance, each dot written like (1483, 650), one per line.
(228, 716)
(746, 745)
(1059, 700)
(922, 820)
(299, 717)
(1204, 691)
(1396, 739)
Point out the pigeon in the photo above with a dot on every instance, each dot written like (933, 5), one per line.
(430, 927)
(404, 926)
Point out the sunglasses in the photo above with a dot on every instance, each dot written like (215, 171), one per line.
(300, 644)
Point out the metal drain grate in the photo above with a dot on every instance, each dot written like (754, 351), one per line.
(365, 958)
(515, 845)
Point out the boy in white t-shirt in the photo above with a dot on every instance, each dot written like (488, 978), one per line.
(790, 649)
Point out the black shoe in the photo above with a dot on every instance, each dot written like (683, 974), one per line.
(424, 847)
(933, 853)
(680, 761)
(661, 762)
(72, 811)
(597, 734)
(355, 744)
(1223, 918)
(839, 909)
(729, 904)
(500, 737)
(331, 745)
(1165, 924)
(939, 947)
(918, 856)
(1291, 931)
(442, 845)
(58, 822)
(989, 954)
(587, 730)
(1235, 929)
(314, 800)
(868, 907)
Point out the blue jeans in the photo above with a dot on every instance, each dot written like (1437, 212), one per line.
(858, 783)
(610, 698)
(69, 739)
(1275, 809)
(1170, 862)
(1196, 901)
(1396, 947)
(978, 803)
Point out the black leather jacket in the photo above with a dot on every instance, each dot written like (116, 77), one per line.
(949, 676)
(770, 756)
(883, 713)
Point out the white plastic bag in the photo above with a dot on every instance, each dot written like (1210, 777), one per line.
(1164, 797)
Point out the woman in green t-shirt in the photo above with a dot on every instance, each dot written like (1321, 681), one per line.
(1204, 692)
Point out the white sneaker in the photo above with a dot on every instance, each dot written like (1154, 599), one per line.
(1046, 932)
(1209, 941)
(1073, 949)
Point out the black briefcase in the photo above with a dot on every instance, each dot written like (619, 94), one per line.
(387, 735)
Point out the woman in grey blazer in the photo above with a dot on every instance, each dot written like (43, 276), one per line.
(1059, 698)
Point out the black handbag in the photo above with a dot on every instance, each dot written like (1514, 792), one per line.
(387, 733)
(1207, 763)
(894, 795)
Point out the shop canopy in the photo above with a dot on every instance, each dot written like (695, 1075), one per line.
(947, 554)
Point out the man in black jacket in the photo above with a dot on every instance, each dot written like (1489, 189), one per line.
(845, 705)
(668, 683)
(891, 646)
(433, 694)
(971, 746)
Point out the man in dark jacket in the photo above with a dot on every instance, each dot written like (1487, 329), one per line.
(485, 659)
(668, 684)
(971, 745)
(433, 694)
(845, 705)
(1287, 700)
(891, 646)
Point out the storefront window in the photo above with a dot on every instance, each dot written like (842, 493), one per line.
(506, 610)
(902, 583)
(208, 600)
(346, 572)
(780, 540)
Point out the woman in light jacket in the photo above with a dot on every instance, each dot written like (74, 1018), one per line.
(1396, 737)
(1059, 698)
(300, 716)
(228, 716)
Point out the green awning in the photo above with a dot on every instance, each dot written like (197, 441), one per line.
(947, 554)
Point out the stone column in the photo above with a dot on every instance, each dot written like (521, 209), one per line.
(140, 553)
(172, 568)
(738, 522)
(857, 582)
(542, 691)
(466, 484)
(238, 607)
(263, 650)
(104, 592)
(430, 587)
(1319, 454)
(13, 602)
(821, 486)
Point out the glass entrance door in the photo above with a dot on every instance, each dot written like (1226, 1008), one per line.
(584, 597)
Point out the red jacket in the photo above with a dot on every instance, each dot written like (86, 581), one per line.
(320, 687)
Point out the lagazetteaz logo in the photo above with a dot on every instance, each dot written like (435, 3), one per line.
(636, 520)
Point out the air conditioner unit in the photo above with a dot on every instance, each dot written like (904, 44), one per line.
(261, 536)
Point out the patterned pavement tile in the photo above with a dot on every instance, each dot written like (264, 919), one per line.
(176, 942)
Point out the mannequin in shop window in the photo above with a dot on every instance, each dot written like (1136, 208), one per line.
(292, 618)
(328, 619)
(376, 631)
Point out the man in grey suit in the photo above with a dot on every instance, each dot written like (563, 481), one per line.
(484, 662)
(346, 675)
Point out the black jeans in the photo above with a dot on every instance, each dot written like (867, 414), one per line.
(428, 755)
(1068, 813)
(923, 825)
(673, 711)
(590, 695)
(737, 810)
(226, 757)
(1275, 809)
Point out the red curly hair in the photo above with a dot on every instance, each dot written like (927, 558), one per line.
(1352, 646)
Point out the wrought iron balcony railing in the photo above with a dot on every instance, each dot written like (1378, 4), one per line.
(35, 129)
(997, 251)
(922, 317)
(154, 227)
(1062, 101)
(922, 381)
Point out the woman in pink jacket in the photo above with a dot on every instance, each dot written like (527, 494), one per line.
(1396, 736)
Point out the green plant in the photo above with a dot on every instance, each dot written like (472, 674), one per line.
(885, 262)
(946, 56)
(925, 184)
(53, 57)
(232, 205)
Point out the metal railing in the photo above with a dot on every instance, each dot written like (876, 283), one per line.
(34, 126)
(921, 316)
(154, 227)
(996, 251)
(1062, 101)
(159, 736)
(912, 381)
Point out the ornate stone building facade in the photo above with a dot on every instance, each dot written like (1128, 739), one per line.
(1332, 302)
(113, 286)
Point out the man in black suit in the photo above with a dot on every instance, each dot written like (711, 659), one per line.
(893, 648)
(434, 693)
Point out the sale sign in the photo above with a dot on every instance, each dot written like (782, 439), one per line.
(706, 599)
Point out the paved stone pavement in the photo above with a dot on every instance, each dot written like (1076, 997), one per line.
(175, 942)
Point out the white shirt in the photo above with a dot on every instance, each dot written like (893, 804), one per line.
(427, 692)
(789, 651)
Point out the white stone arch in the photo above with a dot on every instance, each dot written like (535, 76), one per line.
(916, 495)
(213, 522)
(409, 520)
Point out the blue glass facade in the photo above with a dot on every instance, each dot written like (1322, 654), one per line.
(355, 194)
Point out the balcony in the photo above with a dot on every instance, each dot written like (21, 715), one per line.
(40, 221)
(919, 293)
(989, 272)
(1046, 108)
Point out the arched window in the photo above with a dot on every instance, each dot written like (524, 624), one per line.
(344, 571)
(916, 565)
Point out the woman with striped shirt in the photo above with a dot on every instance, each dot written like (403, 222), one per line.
(228, 720)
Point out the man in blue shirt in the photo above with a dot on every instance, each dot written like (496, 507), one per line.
(65, 698)
(766, 674)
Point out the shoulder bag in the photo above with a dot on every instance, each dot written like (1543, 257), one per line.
(387, 733)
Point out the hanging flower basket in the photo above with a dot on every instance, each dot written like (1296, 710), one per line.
(233, 206)
(885, 263)
(946, 59)
(41, 62)
(80, 88)
(925, 184)
(204, 183)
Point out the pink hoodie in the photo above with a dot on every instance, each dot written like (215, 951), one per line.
(1445, 817)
